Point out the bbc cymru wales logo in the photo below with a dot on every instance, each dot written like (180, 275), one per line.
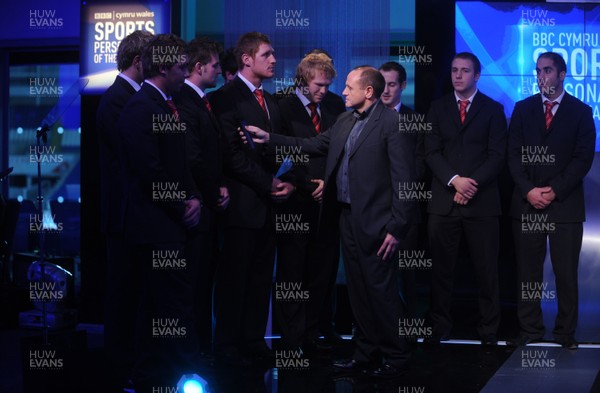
(44, 155)
(45, 222)
(413, 260)
(537, 155)
(45, 20)
(291, 153)
(535, 358)
(413, 123)
(45, 87)
(416, 54)
(536, 17)
(291, 19)
(46, 291)
(167, 123)
(45, 359)
(168, 192)
(168, 328)
(287, 223)
(414, 327)
(168, 55)
(536, 291)
(168, 260)
(536, 223)
(413, 191)
(290, 292)
(291, 360)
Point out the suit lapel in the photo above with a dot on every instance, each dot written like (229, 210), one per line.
(199, 103)
(476, 106)
(537, 113)
(297, 107)
(339, 142)
(371, 123)
(561, 113)
(452, 110)
(251, 98)
(156, 96)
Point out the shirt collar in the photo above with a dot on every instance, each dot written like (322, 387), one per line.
(133, 83)
(196, 88)
(557, 99)
(302, 97)
(365, 114)
(470, 99)
(248, 83)
(159, 90)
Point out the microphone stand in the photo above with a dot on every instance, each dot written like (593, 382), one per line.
(42, 136)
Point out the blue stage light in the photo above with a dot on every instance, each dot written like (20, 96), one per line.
(192, 383)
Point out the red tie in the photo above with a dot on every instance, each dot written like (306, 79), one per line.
(463, 110)
(207, 104)
(261, 100)
(314, 115)
(549, 115)
(171, 105)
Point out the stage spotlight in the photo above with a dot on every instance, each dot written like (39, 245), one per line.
(192, 383)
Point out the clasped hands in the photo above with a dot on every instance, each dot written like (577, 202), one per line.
(541, 197)
(465, 187)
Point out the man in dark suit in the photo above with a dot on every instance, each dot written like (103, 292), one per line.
(465, 151)
(122, 291)
(551, 148)
(395, 83)
(203, 147)
(244, 277)
(161, 205)
(309, 257)
(366, 157)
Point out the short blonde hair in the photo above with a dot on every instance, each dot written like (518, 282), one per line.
(310, 64)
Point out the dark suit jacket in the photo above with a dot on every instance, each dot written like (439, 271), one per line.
(203, 147)
(299, 124)
(380, 160)
(569, 144)
(249, 172)
(111, 154)
(475, 149)
(153, 157)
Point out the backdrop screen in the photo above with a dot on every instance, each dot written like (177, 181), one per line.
(508, 37)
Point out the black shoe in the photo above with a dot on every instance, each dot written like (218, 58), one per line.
(567, 342)
(489, 340)
(389, 371)
(351, 365)
(521, 340)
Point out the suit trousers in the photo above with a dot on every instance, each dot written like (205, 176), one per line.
(565, 246)
(243, 288)
(374, 296)
(165, 329)
(310, 259)
(122, 299)
(482, 237)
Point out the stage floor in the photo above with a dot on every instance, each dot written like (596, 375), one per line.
(460, 366)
